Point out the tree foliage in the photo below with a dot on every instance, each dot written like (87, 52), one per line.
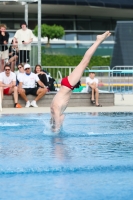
(50, 32)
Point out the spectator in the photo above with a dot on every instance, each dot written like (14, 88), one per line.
(8, 84)
(24, 37)
(46, 78)
(13, 55)
(20, 72)
(0, 47)
(92, 86)
(27, 85)
(4, 37)
(41, 74)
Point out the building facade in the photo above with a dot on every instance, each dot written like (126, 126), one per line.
(81, 19)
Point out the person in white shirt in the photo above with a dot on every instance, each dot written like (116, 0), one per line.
(20, 72)
(8, 84)
(24, 37)
(92, 86)
(27, 85)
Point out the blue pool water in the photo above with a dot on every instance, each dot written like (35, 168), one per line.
(91, 159)
(116, 89)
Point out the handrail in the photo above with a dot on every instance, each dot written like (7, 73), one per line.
(65, 41)
(0, 101)
(59, 73)
(127, 71)
(76, 42)
(69, 31)
(59, 67)
(114, 71)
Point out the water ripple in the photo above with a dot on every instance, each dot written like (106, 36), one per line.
(64, 169)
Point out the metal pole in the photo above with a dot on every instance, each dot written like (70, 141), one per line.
(26, 12)
(39, 32)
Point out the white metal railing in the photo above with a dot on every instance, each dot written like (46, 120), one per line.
(120, 79)
(58, 71)
(59, 75)
(0, 101)
(33, 55)
(74, 40)
(122, 82)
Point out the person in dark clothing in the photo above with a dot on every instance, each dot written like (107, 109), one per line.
(0, 44)
(4, 37)
(42, 75)
(0, 47)
(13, 55)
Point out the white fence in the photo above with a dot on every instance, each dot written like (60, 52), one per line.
(33, 55)
(122, 82)
(118, 80)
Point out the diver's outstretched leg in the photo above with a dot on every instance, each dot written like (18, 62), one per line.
(77, 73)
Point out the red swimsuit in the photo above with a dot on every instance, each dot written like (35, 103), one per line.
(66, 83)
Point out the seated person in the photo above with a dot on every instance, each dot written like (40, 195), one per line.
(8, 84)
(41, 74)
(45, 77)
(92, 86)
(27, 85)
(20, 72)
(13, 55)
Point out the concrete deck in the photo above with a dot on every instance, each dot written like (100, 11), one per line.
(123, 103)
(77, 99)
(68, 110)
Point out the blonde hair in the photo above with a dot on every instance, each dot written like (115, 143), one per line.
(3, 25)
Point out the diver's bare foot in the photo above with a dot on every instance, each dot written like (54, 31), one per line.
(103, 36)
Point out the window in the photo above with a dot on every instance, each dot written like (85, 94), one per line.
(83, 25)
(67, 25)
(84, 36)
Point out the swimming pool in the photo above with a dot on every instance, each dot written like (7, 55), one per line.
(116, 89)
(90, 159)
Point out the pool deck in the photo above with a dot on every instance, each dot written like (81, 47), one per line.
(122, 103)
(68, 110)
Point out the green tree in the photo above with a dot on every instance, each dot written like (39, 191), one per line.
(50, 32)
